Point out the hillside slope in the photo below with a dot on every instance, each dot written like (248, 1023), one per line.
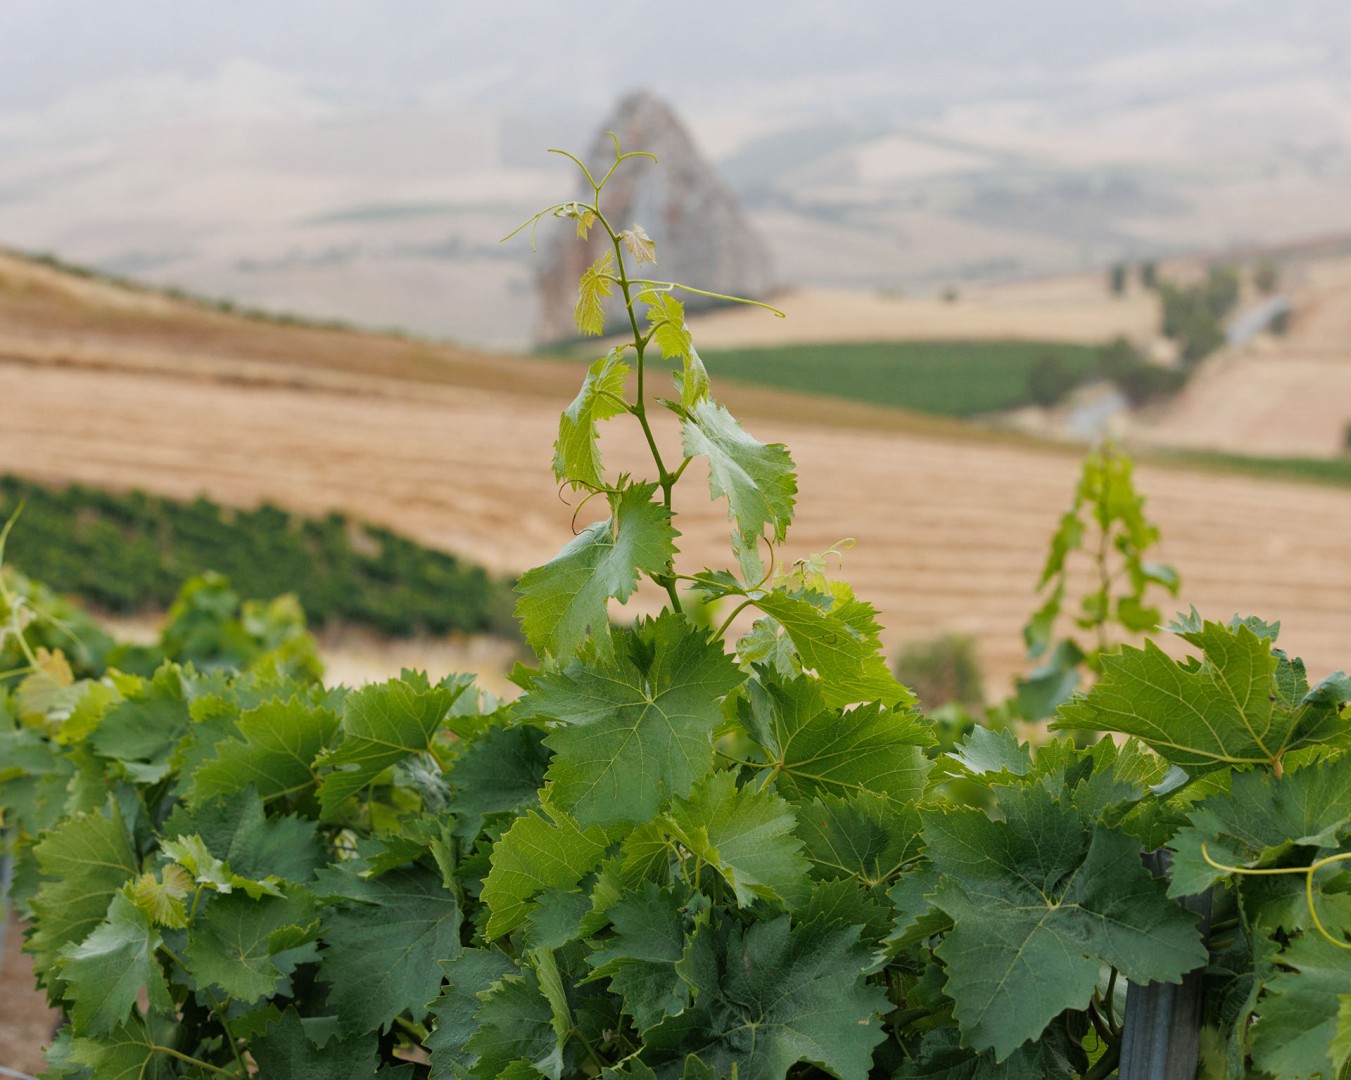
(453, 448)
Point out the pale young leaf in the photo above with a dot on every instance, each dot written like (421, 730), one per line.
(640, 245)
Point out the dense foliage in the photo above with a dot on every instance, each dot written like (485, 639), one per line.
(127, 552)
(681, 852)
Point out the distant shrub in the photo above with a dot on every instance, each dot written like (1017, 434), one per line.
(1049, 380)
(942, 670)
(1149, 274)
(1140, 381)
(1280, 323)
(1116, 278)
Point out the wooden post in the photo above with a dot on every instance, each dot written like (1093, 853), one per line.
(1160, 1039)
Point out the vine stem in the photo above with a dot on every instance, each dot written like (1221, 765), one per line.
(171, 1052)
(639, 407)
(1307, 871)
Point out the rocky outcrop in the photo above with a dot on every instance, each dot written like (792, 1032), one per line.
(702, 237)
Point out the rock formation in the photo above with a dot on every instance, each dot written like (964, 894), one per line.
(702, 237)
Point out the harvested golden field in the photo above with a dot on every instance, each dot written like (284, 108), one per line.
(453, 448)
(1072, 309)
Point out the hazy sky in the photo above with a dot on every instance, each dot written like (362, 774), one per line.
(530, 54)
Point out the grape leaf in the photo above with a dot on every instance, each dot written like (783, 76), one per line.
(691, 380)
(533, 855)
(281, 741)
(591, 290)
(666, 317)
(634, 729)
(640, 245)
(984, 751)
(469, 975)
(1038, 906)
(864, 836)
(235, 943)
(563, 603)
(254, 847)
(841, 903)
(837, 638)
(942, 1057)
(1225, 709)
(84, 861)
(816, 750)
(500, 771)
(142, 731)
(1260, 819)
(127, 1053)
(287, 1050)
(515, 1027)
(640, 959)
(746, 836)
(577, 456)
(756, 478)
(382, 957)
(775, 998)
(107, 970)
(382, 723)
(162, 898)
(1299, 1028)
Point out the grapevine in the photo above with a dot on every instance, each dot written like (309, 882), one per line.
(681, 852)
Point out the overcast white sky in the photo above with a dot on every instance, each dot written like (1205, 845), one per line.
(533, 54)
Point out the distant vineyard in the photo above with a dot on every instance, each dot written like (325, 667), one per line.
(951, 378)
(125, 552)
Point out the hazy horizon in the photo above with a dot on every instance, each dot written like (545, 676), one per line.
(348, 156)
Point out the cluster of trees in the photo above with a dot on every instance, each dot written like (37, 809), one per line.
(131, 551)
(1050, 380)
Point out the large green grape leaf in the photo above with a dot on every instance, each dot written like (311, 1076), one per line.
(577, 457)
(863, 836)
(142, 732)
(1301, 1029)
(775, 998)
(286, 1050)
(502, 770)
(1260, 819)
(817, 750)
(382, 724)
(837, 637)
(757, 478)
(242, 944)
(106, 971)
(127, 1053)
(563, 603)
(633, 730)
(1235, 706)
(281, 741)
(746, 836)
(1038, 907)
(469, 975)
(383, 955)
(515, 1036)
(83, 863)
(533, 855)
(234, 831)
(640, 959)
